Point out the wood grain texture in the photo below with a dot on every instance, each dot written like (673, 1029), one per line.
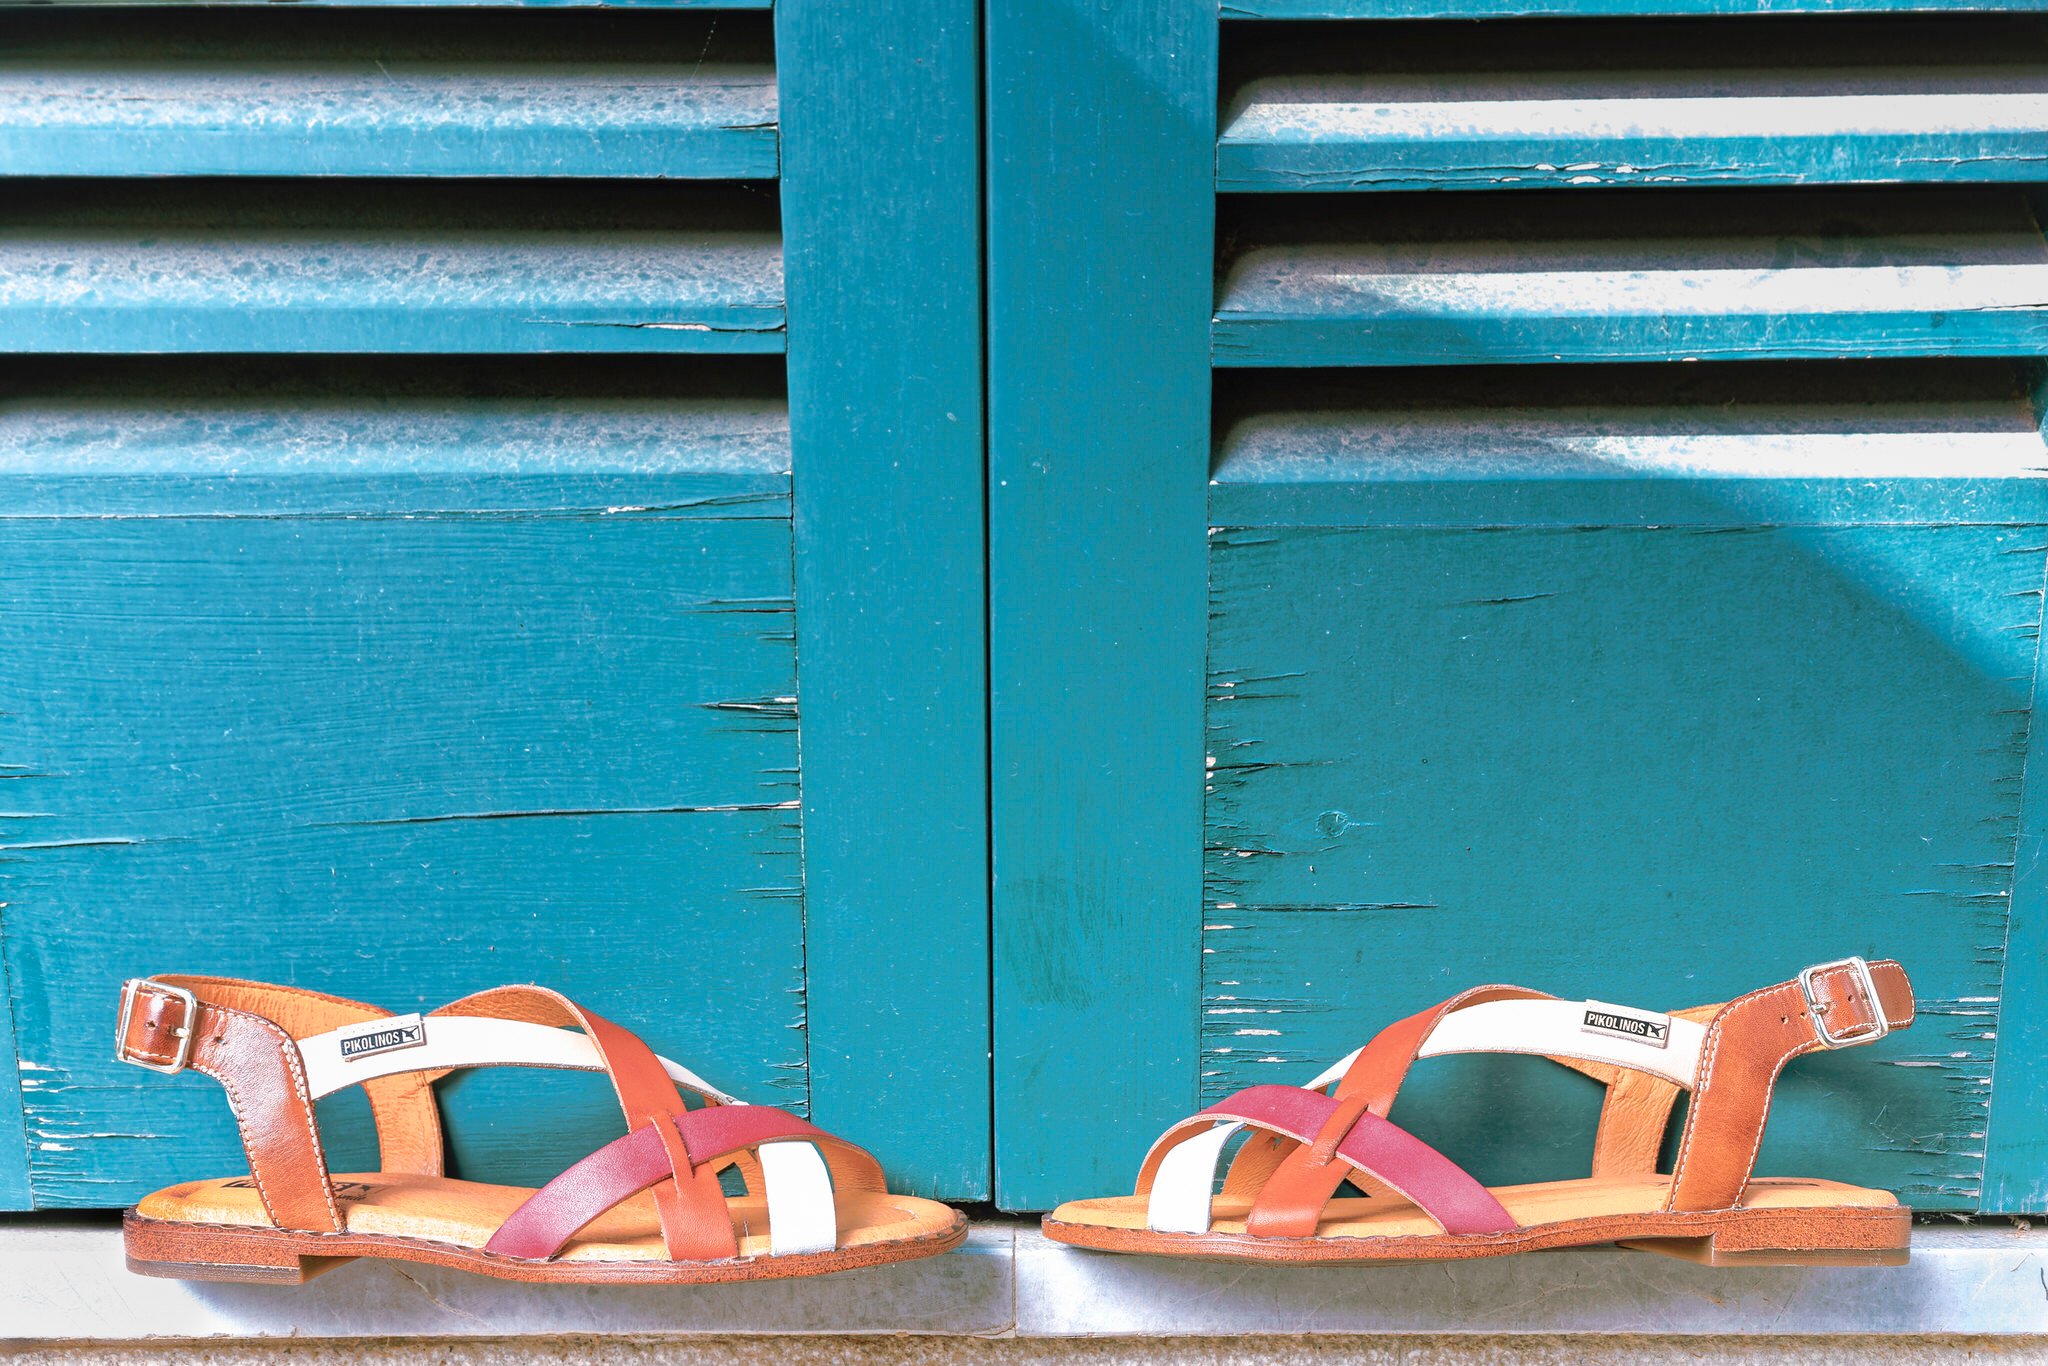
(1721, 275)
(1639, 764)
(399, 758)
(184, 266)
(1520, 105)
(1098, 426)
(152, 92)
(14, 1150)
(1804, 443)
(881, 198)
(2016, 1145)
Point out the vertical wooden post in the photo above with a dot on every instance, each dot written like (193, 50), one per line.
(1102, 128)
(881, 177)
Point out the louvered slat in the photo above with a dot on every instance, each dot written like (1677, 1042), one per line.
(1517, 105)
(1500, 9)
(1641, 276)
(163, 93)
(1800, 443)
(387, 266)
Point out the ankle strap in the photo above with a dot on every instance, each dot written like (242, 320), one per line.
(244, 1035)
(1833, 1005)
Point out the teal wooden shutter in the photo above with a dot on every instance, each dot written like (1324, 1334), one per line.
(1554, 499)
(460, 482)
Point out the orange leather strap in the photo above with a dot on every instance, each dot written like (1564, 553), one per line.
(1749, 1041)
(694, 1221)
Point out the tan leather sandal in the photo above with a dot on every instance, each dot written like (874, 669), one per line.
(647, 1207)
(1301, 1144)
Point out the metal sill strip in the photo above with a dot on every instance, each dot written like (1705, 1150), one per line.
(64, 1280)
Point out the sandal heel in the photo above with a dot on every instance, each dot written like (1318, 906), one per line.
(203, 1255)
(1804, 1240)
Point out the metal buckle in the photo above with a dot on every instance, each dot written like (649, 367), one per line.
(184, 1033)
(1817, 1008)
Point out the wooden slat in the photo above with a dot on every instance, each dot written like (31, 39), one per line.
(1814, 443)
(399, 758)
(1101, 154)
(1657, 765)
(326, 267)
(140, 93)
(883, 198)
(104, 5)
(1784, 102)
(1501, 9)
(1645, 276)
(2016, 1142)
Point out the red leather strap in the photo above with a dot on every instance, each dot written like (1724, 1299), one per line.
(1374, 1146)
(555, 1213)
(694, 1226)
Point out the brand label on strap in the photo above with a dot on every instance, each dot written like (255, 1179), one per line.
(1622, 1023)
(381, 1036)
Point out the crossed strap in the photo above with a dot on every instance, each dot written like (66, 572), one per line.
(1305, 1144)
(275, 1050)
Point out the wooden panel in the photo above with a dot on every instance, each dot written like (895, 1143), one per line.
(882, 198)
(1645, 275)
(1639, 763)
(14, 1152)
(2016, 1147)
(212, 265)
(1496, 9)
(154, 92)
(1525, 105)
(1809, 443)
(1098, 426)
(399, 757)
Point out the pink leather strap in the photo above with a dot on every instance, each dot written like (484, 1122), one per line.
(555, 1213)
(1375, 1146)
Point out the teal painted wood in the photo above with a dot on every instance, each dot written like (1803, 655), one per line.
(398, 758)
(1498, 9)
(2016, 1143)
(14, 1187)
(881, 198)
(1760, 444)
(182, 266)
(151, 92)
(1098, 425)
(1635, 763)
(1646, 277)
(182, 439)
(1521, 105)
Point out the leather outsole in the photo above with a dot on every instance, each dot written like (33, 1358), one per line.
(1783, 1223)
(218, 1230)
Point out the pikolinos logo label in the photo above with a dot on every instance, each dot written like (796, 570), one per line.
(1616, 1022)
(381, 1036)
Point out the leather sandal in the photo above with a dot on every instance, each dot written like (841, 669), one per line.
(1300, 1145)
(646, 1207)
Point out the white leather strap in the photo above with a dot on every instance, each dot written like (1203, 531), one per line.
(1591, 1031)
(801, 1214)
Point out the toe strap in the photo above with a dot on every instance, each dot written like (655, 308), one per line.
(789, 1148)
(1373, 1146)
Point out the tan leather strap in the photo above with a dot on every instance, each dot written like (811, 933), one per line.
(201, 1023)
(1748, 1043)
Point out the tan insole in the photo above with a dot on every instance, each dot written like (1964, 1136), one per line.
(1543, 1202)
(467, 1213)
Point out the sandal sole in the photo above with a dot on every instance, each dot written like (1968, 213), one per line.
(1775, 1237)
(219, 1252)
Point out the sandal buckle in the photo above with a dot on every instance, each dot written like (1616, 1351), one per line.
(1817, 1009)
(186, 1031)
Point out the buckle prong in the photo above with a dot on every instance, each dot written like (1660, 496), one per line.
(1818, 1008)
(184, 1033)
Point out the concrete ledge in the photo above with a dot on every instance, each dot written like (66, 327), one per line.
(65, 1280)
